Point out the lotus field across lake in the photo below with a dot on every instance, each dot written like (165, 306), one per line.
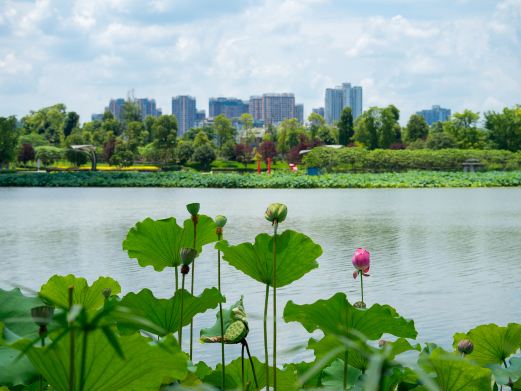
(72, 336)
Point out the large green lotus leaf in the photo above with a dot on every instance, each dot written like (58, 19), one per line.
(166, 313)
(286, 379)
(504, 375)
(333, 376)
(296, 256)
(228, 317)
(455, 373)
(14, 370)
(158, 243)
(302, 369)
(337, 316)
(492, 343)
(15, 312)
(145, 366)
(56, 291)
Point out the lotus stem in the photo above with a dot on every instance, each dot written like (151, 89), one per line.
(266, 362)
(42, 335)
(245, 344)
(345, 370)
(275, 226)
(83, 360)
(195, 220)
(72, 348)
(180, 333)
(362, 285)
(219, 237)
(242, 367)
(176, 278)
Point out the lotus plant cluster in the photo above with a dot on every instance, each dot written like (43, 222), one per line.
(76, 336)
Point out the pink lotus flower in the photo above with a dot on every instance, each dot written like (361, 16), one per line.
(361, 261)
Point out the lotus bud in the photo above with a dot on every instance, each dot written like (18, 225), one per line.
(193, 208)
(276, 213)
(107, 292)
(220, 221)
(42, 315)
(360, 304)
(465, 346)
(188, 255)
(361, 261)
(185, 269)
(382, 343)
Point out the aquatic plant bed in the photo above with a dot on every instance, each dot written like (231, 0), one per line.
(410, 179)
(76, 336)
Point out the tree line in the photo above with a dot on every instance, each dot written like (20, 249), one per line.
(48, 134)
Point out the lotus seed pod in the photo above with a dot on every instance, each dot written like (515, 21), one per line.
(359, 304)
(42, 315)
(193, 208)
(276, 213)
(188, 255)
(236, 332)
(107, 292)
(465, 346)
(220, 221)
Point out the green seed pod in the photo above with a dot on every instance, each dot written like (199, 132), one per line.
(276, 213)
(465, 346)
(188, 255)
(193, 208)
(42, 315)
(236, 332)
(220, 221)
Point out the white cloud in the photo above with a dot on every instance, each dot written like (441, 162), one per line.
(86, 52)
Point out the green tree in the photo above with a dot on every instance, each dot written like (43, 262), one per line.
(345, 126)
(316, 121)
(417, 129)
(201, 139)
(204, 155)
(48, 154)
(440, 140)
(390, 130)
(165, 136)
(8, 140)
(228, 150)
(48, 122)
(134, 135)
(504, 129)
(123, 155)
(246, 120)
(130, 112)
(184, 151)
(223, 129)
(463, 127)
(71, 122)
(367, 128)
(325, 135)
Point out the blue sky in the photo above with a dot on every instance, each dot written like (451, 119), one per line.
(412, 53)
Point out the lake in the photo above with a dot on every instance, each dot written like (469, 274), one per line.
(448, 258)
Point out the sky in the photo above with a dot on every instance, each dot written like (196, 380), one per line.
(410, 53)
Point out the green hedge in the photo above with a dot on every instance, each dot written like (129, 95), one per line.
(195, 179)
(379, 160)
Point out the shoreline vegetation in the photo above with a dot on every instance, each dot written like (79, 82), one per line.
(194, 179)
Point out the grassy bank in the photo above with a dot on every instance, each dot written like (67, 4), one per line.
(409, 179)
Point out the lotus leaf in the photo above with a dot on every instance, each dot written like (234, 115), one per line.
(166, 313)
(56, 291)
(337, 316)
(505, 376)
(296, 256)
(158, 243)
(492, 343)
(15, 312)
(455, 373)
(145, 367)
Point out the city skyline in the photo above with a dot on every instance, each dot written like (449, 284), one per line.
(458, 54)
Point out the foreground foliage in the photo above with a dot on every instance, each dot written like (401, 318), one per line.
(72, 336)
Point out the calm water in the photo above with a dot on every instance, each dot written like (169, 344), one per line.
(448, 258)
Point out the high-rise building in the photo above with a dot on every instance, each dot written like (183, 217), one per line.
(435, 114)
(318, 110)
(116, 107)
(299, 113)
(200, 118)
(183, 107)
(278, 107)
(356, 101)
(148, 107)
(342, 96)
(96, 117)
(333, 104)
(229, 107)
(255, 108)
